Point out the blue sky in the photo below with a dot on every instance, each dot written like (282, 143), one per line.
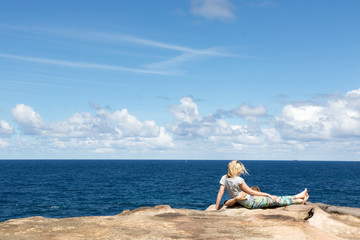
(192, 79)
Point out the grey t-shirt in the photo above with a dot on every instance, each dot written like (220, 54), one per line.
(232, 185)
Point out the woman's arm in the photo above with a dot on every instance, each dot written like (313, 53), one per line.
(233, 201)
(248, 190)
(219, 196)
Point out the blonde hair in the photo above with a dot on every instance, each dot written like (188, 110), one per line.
(236, 168)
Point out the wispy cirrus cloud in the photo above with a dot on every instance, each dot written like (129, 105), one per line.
(174, 62)
(116, 38)
(185, 57)
(168, 66)
(82, 64)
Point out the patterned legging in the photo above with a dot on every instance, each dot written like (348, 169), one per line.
(265, 202)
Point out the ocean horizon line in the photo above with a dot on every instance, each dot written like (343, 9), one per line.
(171, 159)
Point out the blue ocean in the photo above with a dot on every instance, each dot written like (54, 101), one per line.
(70, 188)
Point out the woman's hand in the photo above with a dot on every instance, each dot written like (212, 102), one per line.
(274, 198)
(248, 190)
(241, 196)
(211, 209)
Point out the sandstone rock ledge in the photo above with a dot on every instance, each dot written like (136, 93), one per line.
(311, 221)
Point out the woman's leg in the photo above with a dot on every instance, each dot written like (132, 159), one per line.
(265, 202)
(302, 195)
(258, 202)
(248, 203)
(288, 200)
(299, 198)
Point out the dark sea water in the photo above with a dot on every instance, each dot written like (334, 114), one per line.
(69, 188)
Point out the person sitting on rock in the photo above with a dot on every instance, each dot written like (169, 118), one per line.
(243, 195)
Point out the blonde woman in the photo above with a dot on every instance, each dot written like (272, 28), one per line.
(242, 194)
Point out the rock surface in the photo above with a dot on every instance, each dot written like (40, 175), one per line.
(311, 221)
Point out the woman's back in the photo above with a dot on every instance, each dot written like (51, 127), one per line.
(232, 185)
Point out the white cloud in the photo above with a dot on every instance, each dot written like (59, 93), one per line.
(244, 111)
(297, 130)
(106, 143)
(3, 143)
(215, 9)
(189, 124)
(303, 122)
(117, 124)
(104, 150)
(187, 121)
(5, 128)
(127, 125)
(187, 111)
(339, 117)
(272, 135)
(304, 130)
(249, 111)
(353, 94)
(103, 131)
(28, 119)
(78, 125)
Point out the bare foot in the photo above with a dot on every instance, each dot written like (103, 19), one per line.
(301, 195)
(306, 197)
